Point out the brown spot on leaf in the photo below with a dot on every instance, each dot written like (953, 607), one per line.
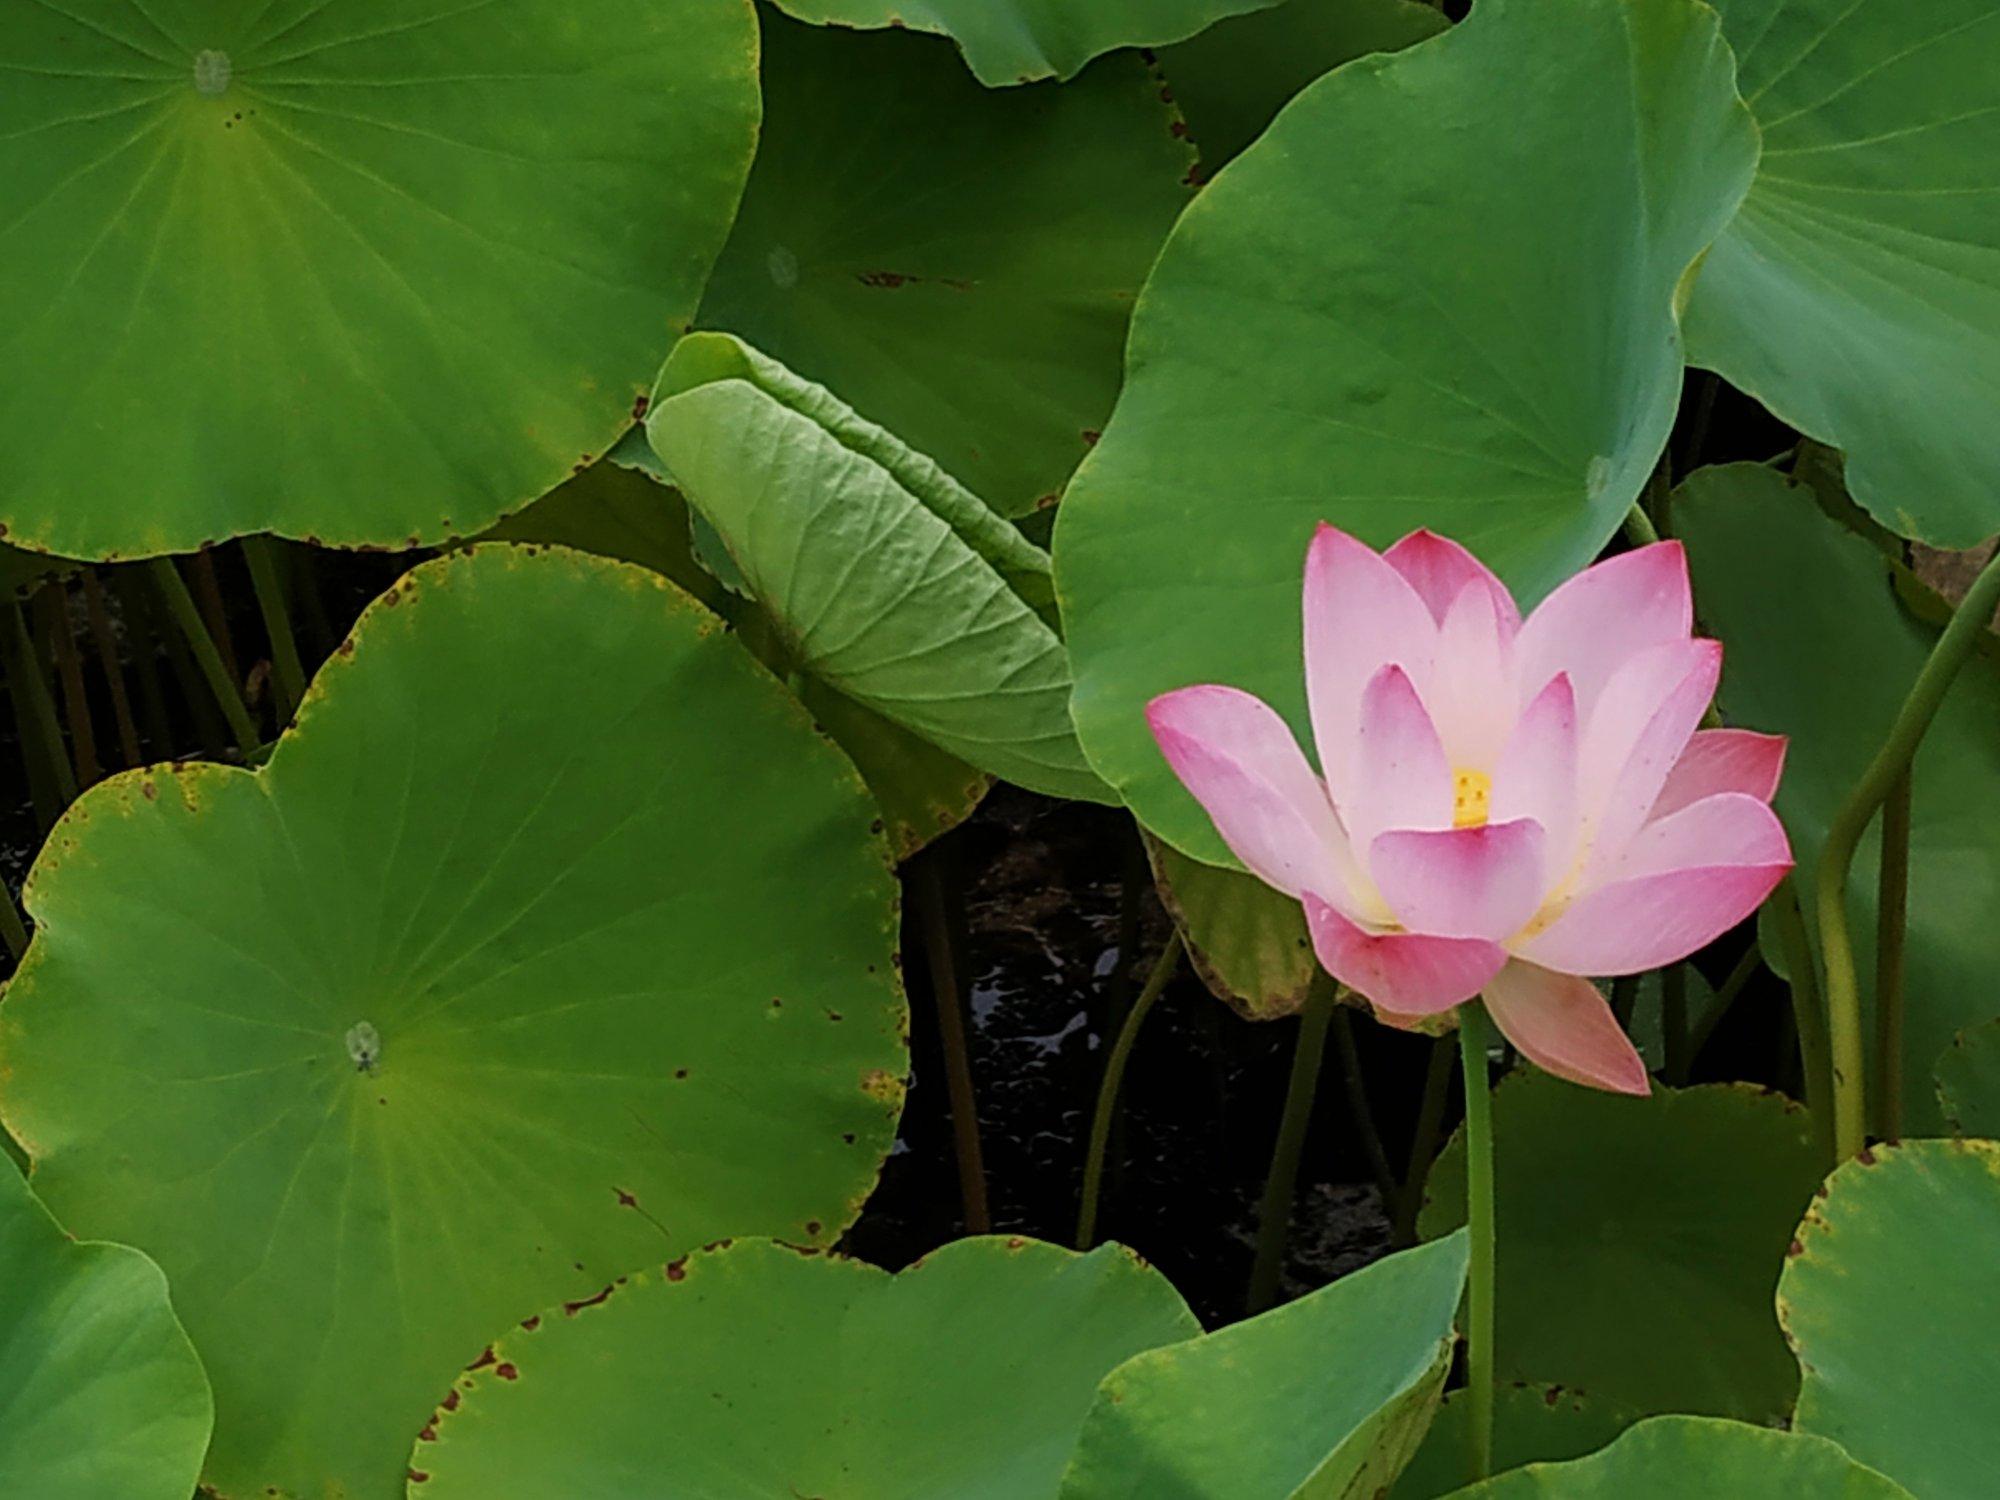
(677, 1269)
(507, 1372)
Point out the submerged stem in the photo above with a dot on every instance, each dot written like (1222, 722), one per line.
(35, 714)
(1892, 925)
(106, 644)
(1843, 837)
(207, 655)
(1107, 1091)
(1274, 1213)
(269, 588)
(936, 919)
(1479, 1220)
(1362, 1116)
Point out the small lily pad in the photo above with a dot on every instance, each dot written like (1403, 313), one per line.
(752, 1371)
(102, 1394)
(1888, 1299)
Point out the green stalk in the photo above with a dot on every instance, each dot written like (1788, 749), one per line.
(935, 916)
(1479, 1218)
(1843, 993)
(1424, 1140)
(207, 656)
(1674, 1021)
(1362, 1117)
(1808, 1011)
(1107, 1091)
(270, 590)
(35, 712)
(1639, 528)
(13, 931)
(1274, 1213)
(142, 639)
(107, 661)
(1892, 926)
(53, 602)
(215, 613)
(1624, 998)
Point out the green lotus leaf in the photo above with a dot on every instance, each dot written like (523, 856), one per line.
(1968, 1081)
(1698, 1456)
(1652, 1224)
(1531, 1424)
(1857, 294)
(102, 1394)
(752, 1372)
(1888, 1300)
(357, 270)
(1246, 941)
(922, 791)
(1019, 41)
(882, 591)
(1232, 79)
(443, 1015)
(1326, 1396)
(958, 263)
(1827, 660)
(1309, 348)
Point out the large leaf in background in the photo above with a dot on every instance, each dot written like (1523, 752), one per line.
(101, 1395)
(1232, 79)
(1640, 1240)
(446, 1015)
(1827, 660)
(752, 1372)
(1326, 1396)
(1019, 41)
(1438, 291)
(958, 263)
(626, 511)
(1698, 1456)
(1531, 1424)
(1858, 292)
(1246, 941)
(1968, 1081)
(878, 594)
(369, 271)
(1888, 1299)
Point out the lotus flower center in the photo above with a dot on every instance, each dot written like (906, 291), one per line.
(1470, 793)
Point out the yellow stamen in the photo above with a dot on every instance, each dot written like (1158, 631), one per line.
(1470, 792)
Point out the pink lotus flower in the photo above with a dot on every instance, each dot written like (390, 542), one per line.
(1503, 806)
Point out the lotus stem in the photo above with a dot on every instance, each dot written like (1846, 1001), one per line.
(35, 714)
(1892, 926)
(1358, 1110)
(106, 644)
(270, 591)
(1274, 1213)
(1424, 1140)
(1107, 1091)
(1624, 999)
(1808, 1015)
(53, 602)
(1843, 837)
(1674, 1021)
(936, 919)
(208, 594)
(207, 655)
(13, 931)
(1479, 1219)
(143, 640)
(1639, 528)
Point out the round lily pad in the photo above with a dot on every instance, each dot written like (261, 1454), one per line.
(1698, 1456)
(509, 972)
(370, 271)
(1019, 41)
(1639, 1240)
(1888, 1299)
(753, 1371)
(101, 1390)
(958, 264)
(1321, 341)
(1857, 293)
